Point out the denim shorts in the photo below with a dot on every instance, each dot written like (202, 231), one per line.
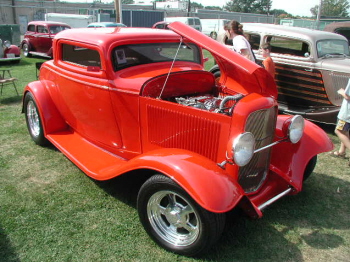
(342, 125)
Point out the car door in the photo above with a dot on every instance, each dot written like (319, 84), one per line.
(44, 39)
(30, 36)
(83, 95)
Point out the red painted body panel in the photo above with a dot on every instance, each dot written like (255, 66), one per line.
(110, 122)
(294, 159)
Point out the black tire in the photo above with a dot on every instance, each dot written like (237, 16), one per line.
(215, 70)
(33, 120)
(26, 50)
(174, 220)
(310, 167)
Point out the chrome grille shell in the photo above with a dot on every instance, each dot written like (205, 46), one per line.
(262, 125)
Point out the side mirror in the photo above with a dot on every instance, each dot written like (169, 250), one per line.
(307, 54)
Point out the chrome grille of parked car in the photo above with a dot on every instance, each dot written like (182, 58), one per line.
(299, 87)
(335, 81)
(262, 124)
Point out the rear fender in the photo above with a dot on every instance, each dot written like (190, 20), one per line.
(52, 120)
(290, 160)
(209, 185)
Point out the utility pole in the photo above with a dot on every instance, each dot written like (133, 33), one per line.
(118, 11)
(318, 15)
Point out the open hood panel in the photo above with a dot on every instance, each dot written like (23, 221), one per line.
(236, 71)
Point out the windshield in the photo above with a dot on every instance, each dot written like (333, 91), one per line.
(131, 55)
(330, 48)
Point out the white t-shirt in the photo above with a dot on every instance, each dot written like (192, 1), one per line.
(344, 112)
(239, 42)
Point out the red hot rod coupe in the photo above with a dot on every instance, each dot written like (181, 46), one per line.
(118, 100)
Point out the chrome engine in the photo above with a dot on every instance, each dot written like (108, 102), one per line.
(210, 103)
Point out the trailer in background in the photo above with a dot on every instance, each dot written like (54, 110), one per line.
(212, 27)
(75, 21)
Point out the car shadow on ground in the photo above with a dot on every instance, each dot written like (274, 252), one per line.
(6, 250)
(269, 236)
(10, 100)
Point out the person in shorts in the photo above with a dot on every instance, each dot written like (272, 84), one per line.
(343, 125)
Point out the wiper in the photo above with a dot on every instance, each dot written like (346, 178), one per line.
(171, 67)
(333, 55)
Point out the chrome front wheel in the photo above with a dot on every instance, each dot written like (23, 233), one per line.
(174, 220)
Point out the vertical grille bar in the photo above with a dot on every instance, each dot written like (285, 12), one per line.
(173, 129)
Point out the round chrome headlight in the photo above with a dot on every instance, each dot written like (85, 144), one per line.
(243, 148)
(296, 129)
(7, 43)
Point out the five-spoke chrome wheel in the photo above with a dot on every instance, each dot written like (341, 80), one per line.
(174, 220)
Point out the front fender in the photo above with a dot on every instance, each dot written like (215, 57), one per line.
(13, 50)
(209, 185)
(52, 120)
(290, 160)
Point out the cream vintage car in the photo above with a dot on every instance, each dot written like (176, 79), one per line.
(311, 66)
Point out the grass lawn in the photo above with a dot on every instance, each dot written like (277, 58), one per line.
(51, 211)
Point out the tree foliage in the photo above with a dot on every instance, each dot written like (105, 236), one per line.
(195, 5)
(249, 6)
(332, 8)
(213, 8)
(127, 2)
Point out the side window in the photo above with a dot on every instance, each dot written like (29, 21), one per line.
(288, 46)
(160, 26)
(254, 40)
(80, 56)
(31, 28)
(42, 29)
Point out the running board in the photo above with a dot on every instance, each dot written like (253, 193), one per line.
(274, 199)
(92, 160)
(39, 54)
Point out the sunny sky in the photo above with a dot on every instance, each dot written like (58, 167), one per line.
(294, 7)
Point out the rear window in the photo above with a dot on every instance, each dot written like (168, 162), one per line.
(80, 56)
(288, 46)
(31, 28)
(197, 22)
(131, 55)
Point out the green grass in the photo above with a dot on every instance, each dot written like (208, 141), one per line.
(51, 211)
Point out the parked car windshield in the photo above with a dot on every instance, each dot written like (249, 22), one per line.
(331, 48)
(54, 29)
(131, 55)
